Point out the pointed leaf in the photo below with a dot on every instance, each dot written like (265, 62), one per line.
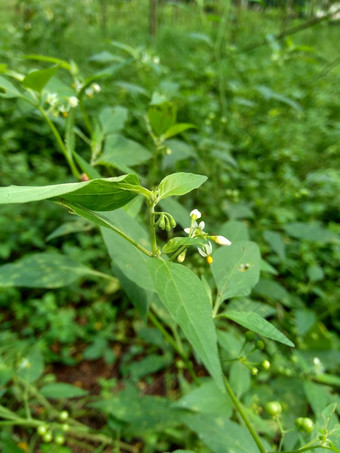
(256, 323)
(36, 80)
(98, 194)
(184, 295)
(179, 184)
(177, 129)
(236, 269)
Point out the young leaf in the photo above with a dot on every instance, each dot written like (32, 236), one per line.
(36, 80)
(98, 194)
(236, 269)
(184, 295)
(42, 270)
(256, 323)
(179, 184)
(177, 129)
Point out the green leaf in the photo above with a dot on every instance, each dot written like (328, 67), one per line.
(98, 194)
(31, 366)
(236, 269)
(62, 63)
(8, 90)
(310, 232)
(221, 435)
(177, 129)
(60, 390)
(239, 377)
(42, 270)
(113, 119)
(207, 399)
(131, 261)
(235, 231)
(36, 80)
(77, 226)
(122, 153)
(272, 290)
(275, 241)
(256, 323)
(179, 184)
(175, 243)
(184, 295)
(162, 117)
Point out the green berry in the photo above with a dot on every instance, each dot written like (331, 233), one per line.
(265, 364)
(48, 437)
(259, 345)
(41, 430)
(249, 335)
(307, 425)
(254, 371)
(65, 427)
(273, 408)
(59, 439)
(63, 416)
(298, 423)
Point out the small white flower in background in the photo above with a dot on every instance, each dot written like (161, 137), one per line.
(156, 60)
(220, 240)
(89, 92)
(96, 87)
(195, 214)
(73, 101)
(52, 99)
(205, 250)
(319, 368)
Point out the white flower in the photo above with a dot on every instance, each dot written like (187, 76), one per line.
(205, 250)
(52, 99)
(197, 229)
(96, 87)
(220, 240)
(195, 214)
(156, 60)
(89, 92)
(73, 101)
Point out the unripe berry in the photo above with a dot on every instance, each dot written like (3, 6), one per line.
(48, 437)
(273, 408)
(63, 416)
(249, 335)
(260, 345)
(254, 371)
(59, 439)
(307, 425)
(65, 427)
(265, 364)
(41, 430)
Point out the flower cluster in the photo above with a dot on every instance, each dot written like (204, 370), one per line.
(60, 105)
(196, 230)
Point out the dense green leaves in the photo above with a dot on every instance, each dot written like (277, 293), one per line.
(7, 89)
(179, 184)
(184, 295)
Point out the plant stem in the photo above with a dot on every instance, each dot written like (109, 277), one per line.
(152, 228)
(244, 416)
(304, 449)
(60, 142)
(173, 343)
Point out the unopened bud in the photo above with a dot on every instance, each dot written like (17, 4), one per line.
(181, 256)
(220, 240)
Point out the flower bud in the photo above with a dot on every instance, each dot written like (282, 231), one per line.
(161, 222)
(181, 256)
(172, 222)
(265, 364)
(195, 214)
(220, 240)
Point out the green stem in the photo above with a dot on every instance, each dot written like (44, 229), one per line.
(152, 229)
(172, 342)
(179, 251)
(304, 449)
(60, 142)
(244, 416)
